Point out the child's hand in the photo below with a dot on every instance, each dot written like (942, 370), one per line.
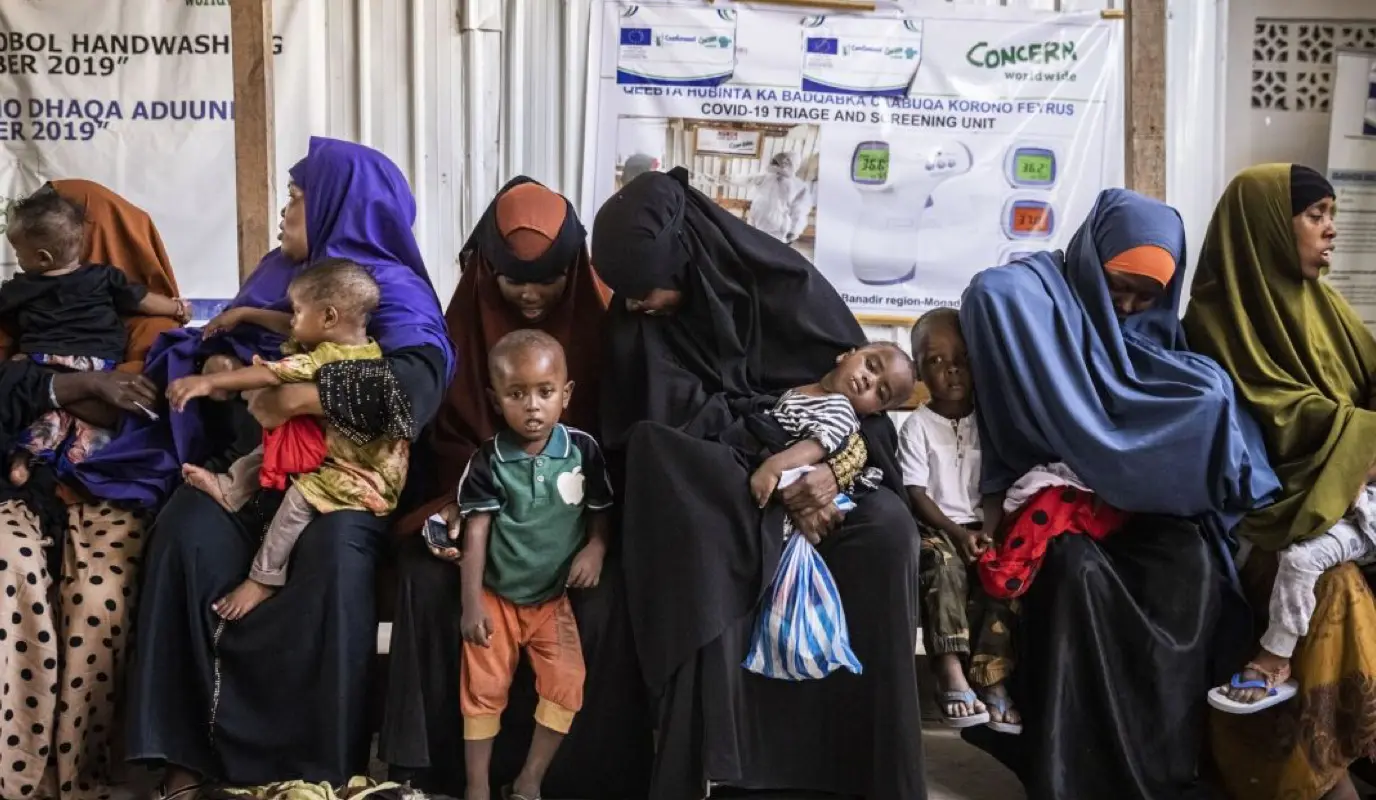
(184, 390)
(184, 313)
(587, 566)
(971, 545)
(225, 321)
(763, 483)
(477, 628)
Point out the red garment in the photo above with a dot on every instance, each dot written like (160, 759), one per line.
(1007, 571)
(293, 449)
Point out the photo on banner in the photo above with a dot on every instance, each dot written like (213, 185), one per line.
(900, 153)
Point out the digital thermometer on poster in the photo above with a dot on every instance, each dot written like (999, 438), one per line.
(895, 189)
(1031, 166)
(1027, 217)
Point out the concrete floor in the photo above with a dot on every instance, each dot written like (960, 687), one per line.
(958, 771)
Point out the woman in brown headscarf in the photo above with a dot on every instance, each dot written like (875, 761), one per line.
(525, 266)
(63, 663)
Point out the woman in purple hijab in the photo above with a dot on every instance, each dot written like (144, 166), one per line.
(280, 694)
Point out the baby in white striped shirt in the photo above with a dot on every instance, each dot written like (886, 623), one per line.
(820, 417)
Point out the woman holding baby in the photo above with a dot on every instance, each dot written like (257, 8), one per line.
(280, 693)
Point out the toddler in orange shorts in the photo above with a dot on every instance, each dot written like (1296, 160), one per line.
(531, 499)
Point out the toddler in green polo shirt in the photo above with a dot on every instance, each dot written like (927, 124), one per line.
(531, 500)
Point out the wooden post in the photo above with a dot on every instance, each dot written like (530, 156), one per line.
(1146, 97)
(254, 155)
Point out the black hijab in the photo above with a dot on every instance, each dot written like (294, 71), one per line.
(756, 317)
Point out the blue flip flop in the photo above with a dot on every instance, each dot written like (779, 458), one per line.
(1275, 695)
(968, 698)
(1002, 704)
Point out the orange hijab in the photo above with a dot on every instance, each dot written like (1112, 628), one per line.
(478, 316)
(123, 235)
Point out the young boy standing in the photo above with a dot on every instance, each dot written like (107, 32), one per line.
(939, 452)
(531, 500)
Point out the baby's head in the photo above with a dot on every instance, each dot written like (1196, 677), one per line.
(939, 350)
(530, 382)
(331, 301)
(46, 231)
(877, 377)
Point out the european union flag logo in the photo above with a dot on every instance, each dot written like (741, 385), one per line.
(826, 46)
(636, 37)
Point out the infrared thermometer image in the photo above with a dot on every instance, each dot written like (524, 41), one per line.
(1028, 217)
(895, 187)
(1031, 166)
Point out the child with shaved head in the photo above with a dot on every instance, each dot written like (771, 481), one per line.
(532, 501)
(331, 303)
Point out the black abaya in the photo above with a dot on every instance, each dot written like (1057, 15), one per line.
(1116, 653)
(607, 753)
(682, 396)
(280, 694)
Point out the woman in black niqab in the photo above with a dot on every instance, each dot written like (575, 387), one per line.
(712, 320)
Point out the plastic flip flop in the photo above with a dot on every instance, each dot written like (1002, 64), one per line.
(967, 697)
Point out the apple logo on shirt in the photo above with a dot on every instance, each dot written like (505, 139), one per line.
(570, 485)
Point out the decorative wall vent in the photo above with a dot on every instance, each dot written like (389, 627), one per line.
(1292, 60)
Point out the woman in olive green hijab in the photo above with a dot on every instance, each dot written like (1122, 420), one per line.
(1303, 361)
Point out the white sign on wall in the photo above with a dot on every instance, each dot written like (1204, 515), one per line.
(1352, 171)
(931, 145)
(138, 95)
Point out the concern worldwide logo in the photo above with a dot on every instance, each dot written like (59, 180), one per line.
(998, 56)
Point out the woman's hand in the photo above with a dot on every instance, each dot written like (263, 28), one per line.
(451, 518)
(815, 490)
(815, 524)
(119, 389)
(273, 407)
(226, 321)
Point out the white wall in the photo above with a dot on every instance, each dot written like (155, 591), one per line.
(1279, 78)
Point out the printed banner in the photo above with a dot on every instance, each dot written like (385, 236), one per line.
(139, 95)
(901, 154)
(1352, 171)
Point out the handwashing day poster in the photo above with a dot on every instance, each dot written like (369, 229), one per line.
(900, 153)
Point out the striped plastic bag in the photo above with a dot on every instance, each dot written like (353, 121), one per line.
(801, 633)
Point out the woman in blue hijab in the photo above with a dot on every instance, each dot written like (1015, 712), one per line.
(280, 694)
(1079, 359)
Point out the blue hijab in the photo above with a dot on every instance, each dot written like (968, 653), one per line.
(1146, 424)
(359, 207)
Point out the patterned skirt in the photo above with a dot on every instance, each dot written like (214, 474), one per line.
(63, 645)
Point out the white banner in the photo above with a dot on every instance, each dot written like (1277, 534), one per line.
(138, 95)
(1352, 171)
(901, 154)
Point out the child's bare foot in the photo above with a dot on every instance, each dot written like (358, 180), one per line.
(958, 703)
(209, 482)
(19, 468)
(1270, 669)
(237, 604)
(477, 793)
(220, 363)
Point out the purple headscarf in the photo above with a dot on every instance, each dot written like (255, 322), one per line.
(359, 207)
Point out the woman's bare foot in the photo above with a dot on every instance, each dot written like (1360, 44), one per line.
(209, 482)
(1000, 704)
(1343, 790)
(1271, 666)
(237, 604)
(19, 468)
(950, 677)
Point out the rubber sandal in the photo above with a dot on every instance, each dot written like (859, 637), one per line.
(184, 793)
(1002, 704)
(967, 697)
(1279, 688)
(508, 793)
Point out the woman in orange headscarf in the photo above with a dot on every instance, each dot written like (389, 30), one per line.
(66, 612)
(526, 265)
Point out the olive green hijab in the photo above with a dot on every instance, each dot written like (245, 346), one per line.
(1298, 353)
